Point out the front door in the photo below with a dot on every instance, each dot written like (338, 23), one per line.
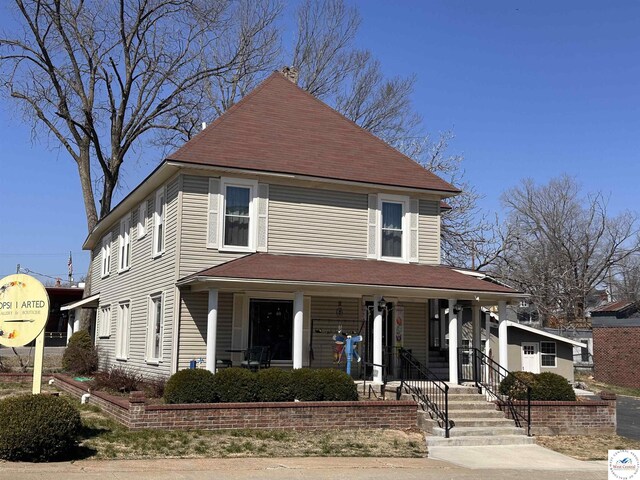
(530, 357)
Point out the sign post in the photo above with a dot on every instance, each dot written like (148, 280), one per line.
(24, 309)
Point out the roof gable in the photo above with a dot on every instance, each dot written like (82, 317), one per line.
(279, 127)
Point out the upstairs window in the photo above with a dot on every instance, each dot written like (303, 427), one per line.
(142, 220)
(548, 354)
(158, 224)
(124, 242)
(106, 256)
(393, 226)
(238, 219)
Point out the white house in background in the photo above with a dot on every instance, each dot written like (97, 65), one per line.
(278, 225)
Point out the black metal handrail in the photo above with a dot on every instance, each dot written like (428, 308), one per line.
(431, 393)
(513, 396)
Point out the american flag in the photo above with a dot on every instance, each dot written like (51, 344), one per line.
(70, 265)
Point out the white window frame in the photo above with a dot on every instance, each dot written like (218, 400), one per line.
(404, 201)
(142, 220)
(105, 256)
(252, 185)
(151, 328)
(159, 220)
(123, 327)
(104, 322)
(124, 244)
(554, 355)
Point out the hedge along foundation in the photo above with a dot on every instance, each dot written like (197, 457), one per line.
(24, 309)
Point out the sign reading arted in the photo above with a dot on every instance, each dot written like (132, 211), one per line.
(24, 309)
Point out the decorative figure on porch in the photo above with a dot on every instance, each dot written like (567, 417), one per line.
(338, 348)
(351, 350)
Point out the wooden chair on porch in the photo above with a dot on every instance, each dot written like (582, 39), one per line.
(257, 358)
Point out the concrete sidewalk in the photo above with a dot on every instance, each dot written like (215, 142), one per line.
(314, 468)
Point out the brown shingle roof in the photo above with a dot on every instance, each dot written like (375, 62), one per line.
(300, 268)
(279, 127)
(613, 306)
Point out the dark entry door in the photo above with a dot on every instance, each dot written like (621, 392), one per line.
(271, 325)
(387, 337)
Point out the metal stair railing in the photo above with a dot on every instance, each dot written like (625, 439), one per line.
(499, 384)
(431, 393)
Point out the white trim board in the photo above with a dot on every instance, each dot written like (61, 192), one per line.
(544, 334)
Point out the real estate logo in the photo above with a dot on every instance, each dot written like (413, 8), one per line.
(624, 464)
(24, 309)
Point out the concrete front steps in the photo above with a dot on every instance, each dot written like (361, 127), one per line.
(476, 422)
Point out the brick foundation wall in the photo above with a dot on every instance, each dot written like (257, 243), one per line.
(616, 355)
(135, 413)
(586, 417)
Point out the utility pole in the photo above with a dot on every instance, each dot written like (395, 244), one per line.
(18, 269)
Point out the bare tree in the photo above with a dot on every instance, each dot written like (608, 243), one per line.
(624, 281)
(563, 244)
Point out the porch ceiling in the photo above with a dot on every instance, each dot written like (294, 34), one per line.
(343, 276)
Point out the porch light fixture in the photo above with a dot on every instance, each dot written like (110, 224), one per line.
(382, 304)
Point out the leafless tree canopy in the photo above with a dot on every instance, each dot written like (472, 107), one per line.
(563, 244)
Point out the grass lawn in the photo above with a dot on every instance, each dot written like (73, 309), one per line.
(585, 447)
(597, 387)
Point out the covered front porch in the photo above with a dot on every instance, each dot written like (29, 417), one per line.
(296, 306)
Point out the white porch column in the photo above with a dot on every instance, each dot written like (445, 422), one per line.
(70, 325)
(377, 340)
(77, 313)
(487, 333)
(212, 327)
(453, 342)
(503, 343)
(298, 322)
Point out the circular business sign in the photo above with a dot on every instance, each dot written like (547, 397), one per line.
(24, 309)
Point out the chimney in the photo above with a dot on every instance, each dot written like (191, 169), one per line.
(290, 73)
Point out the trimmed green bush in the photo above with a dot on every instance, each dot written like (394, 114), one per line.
(233, 385)
(337, 385)
(307, 386)
(80, 357)
(37, 427)
(516, 390)
(544, 386)
(190, 386)
(275, 385)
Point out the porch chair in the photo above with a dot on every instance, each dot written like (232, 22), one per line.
(257, 358)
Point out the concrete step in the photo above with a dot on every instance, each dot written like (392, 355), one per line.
(459, 431)
(464, 397)
(478, 405)
(478, 441)
(483, 422)
(462, 414)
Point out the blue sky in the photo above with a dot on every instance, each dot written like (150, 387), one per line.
(530, 89)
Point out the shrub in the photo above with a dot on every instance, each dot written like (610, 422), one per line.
(190, 386)
(307, 385)
(154, 387)
(551, 386)
(337, 385)
(80, 357)
(274, 385)
(37, 427)
(235, 385)
(512, 387)
(117, 379)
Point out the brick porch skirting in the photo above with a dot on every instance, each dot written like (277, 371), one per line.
(585, 417)
(134, 412)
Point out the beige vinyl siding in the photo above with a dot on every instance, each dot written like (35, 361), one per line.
(318, 222)
(415, 329)
(429, 232)
(194, 254)
(192, 343)
(146, 276)
(325, 323)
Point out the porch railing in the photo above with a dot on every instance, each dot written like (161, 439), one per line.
(431, 393)
(510, 393)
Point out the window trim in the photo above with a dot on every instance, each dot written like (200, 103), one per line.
(105, 256)
(554, 355)
(404, 201)
(160, 193)
(252, 185)
(142, 220)
(150, 359)
(123, 335)
(125, 233)
(103, 332)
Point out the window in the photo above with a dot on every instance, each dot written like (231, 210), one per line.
(238, 218)
(142, 219)
(106, 255)
(124, 242)
(122, 331)
(104, 322)
(271, 325)
(155, 328)
(548, 354)
(158, 223)
(393, 225)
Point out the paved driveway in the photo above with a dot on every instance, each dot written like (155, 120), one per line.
(628, 417)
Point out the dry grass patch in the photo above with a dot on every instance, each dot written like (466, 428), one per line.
(587, 447)
(8, 389)
(597, 387)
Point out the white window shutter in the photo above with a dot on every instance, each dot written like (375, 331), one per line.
(263, 217)
(214, 211)
(414, 218)
(372, 242)
(237, 334)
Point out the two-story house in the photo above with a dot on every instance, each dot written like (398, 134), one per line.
(279, 225)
